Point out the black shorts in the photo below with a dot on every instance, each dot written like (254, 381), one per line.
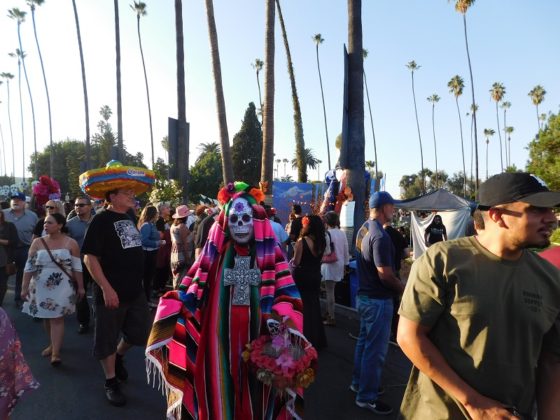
(130, 318)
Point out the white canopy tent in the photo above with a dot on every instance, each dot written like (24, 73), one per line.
(455, 213)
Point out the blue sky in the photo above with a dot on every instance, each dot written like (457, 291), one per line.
(514, 45)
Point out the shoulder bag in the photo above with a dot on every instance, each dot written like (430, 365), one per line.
(58, 263)
(332, 257)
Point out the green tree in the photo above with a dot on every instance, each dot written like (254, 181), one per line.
(247, 148)
(505, 106)
(165, 189)
(544, 153)
(84, 87)
(258, 65)
(462, 6)
(434, 99)
(497, 93)
(456, 184)
(206, 174)
(8, 77)
(412, 66)
(508, 131)
(267, 170)
(227, 165)
(537, 96)
(140, 9)
(309, 160)
(32, 4)
(488, 132)
(298, 124)
(318, 40)
(456, 86)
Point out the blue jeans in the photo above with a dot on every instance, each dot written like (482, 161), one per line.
(371, 349)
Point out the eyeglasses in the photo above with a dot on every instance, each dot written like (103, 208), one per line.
(81, 204)
(50, 207)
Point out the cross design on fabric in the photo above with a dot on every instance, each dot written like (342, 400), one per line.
(241, 277)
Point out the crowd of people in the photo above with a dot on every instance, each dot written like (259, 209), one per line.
(218, 275)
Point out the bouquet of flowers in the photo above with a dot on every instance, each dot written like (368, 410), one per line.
(284, 359)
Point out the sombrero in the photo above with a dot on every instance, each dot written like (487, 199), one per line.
(97, 182)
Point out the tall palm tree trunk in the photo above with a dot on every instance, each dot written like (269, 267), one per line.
(260, 96)
(84, 86)
(147, 89)
(419, 136)
(10, 124)
(35, 171)
(435, 144)
(462, 148)
(120, 145)
(372, 131)
(356, 137)
(22, 125)
(473, 103)
(324, 107)
(472, 151)
(486, 160)
(267, 168)
(183, 138)
(505, 139)
(538, 117)
(227, 164)
(499, 137)
(298, 125)
(51, 156)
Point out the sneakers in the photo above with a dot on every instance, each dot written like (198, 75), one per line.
(380, 391)
(120, 371)
(114, 395)
(376, 407)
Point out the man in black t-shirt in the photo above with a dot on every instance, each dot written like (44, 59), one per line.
(113, 255)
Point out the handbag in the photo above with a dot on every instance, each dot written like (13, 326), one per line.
(70, 276)
(11, 269)
(331, 257)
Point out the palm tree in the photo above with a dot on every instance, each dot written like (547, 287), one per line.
(182, 171)
(488, 132)
(456, 86)
(462, 6)
(318, 40)
(434, 99)
(509, 130)
(258, 65)
(365, 54)
(505, 106)
(140, 9)
(120, 147)
(32, 4)
(227, 163)
(497, 93)
(298, 124)
(19, 17)
(19, 55)
(84, 85)
(285, 161)
(278, 161)
(319, 169)
(474, 108)
(267, 168)
(209, 148)
(309, 159)
(8, 77)
(537, 96)
(412, 66)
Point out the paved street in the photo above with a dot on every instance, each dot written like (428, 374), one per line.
(75, 389)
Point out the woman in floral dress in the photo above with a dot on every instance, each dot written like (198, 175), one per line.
(47, 288)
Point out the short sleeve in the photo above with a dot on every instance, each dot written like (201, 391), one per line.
(382, 247)
(423, 297)
(76, 264)
(31, 264)
(551, 342)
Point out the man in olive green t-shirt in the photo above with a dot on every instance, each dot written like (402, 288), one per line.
(480, 316)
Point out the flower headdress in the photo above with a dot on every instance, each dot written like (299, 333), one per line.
(46, 189)
(237, 188)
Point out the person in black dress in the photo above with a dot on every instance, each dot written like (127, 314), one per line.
(435, 232)
(308, 253)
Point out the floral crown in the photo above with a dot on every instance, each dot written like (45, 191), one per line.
(238, 188)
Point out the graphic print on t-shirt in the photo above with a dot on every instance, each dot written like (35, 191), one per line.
(128, 234)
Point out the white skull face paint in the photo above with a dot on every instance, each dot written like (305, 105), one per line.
(240, 221)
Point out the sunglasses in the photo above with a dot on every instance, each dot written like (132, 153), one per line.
(50, 207)
(81, 204)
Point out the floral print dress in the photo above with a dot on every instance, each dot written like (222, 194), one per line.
(51, 293)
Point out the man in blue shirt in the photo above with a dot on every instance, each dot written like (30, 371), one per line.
(378, 284)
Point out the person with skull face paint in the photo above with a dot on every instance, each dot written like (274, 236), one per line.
(239, 281)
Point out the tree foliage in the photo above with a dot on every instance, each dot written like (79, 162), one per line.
(206, 174)
(165, 189)
(411, 185)
(544, 153)
(247, 148)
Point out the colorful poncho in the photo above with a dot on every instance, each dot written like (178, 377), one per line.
(198, 337)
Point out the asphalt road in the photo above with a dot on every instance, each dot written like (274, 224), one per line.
(75, 389)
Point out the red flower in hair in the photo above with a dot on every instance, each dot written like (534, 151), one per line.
(305, 221)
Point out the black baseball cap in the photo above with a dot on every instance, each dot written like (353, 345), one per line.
(519, 186)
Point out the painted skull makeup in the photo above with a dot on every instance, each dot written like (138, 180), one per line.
(240, 221)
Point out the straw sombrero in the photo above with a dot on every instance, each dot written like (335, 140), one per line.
(97, 182)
